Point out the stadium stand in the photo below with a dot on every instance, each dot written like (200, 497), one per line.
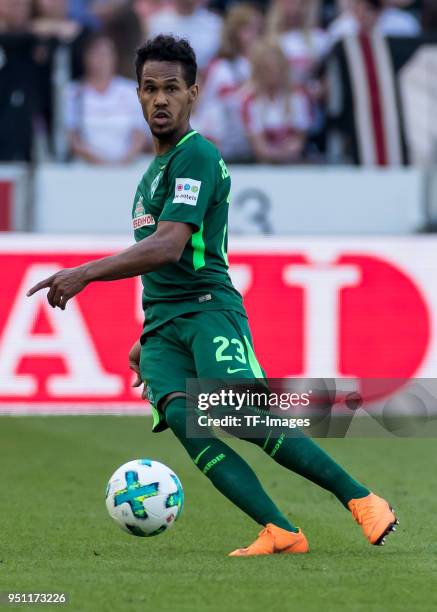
(337, 51)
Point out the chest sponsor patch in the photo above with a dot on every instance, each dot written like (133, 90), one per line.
(143, 221)
(186, 191)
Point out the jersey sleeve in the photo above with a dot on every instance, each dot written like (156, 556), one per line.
(192, 179)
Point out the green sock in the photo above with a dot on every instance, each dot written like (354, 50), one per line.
(304, 457)
(227, 471)
(295, 451)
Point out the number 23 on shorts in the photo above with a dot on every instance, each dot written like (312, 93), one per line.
(232, 350)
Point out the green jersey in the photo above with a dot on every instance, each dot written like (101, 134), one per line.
(189, 184)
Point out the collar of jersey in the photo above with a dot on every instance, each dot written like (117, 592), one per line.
(182, 141)
(186, 137)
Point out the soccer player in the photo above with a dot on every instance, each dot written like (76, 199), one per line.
(195, 321)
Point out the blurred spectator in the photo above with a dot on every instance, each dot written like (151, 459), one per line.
(367, 15)
(51, 21)
(412, 6)
(22, 84)
(218, 114)
(304, 44)
(277, 116)
(103, 115)
(429, 16)
(232, 68)
(20, 97)
(328, 11)
(15, 15)
(418, 94)
(81, 11)
(191, 20)
(105, 9)
(144, 9)
(94, 13)
(125, 30)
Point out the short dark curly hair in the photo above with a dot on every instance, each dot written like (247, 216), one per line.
(166, 48)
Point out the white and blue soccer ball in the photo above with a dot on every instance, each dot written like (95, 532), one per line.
(144, 497)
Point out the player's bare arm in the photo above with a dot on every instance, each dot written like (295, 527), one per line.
(161, 248)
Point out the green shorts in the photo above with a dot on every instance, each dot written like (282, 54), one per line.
(212, 344)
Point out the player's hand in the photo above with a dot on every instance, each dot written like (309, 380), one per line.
(62, 286)
(134, 362)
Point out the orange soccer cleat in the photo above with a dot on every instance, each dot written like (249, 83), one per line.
(376, 517)
(274, 540)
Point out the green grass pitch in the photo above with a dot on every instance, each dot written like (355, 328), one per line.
(55, 534)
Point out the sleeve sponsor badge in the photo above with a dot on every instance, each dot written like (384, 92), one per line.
(186, 191)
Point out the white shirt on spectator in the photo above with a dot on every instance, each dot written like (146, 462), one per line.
(395, 22)
(202, 29)
(224, 76)
(303, 50)
(272, 118)
(105, 120)
(221, 120)
(391, 22)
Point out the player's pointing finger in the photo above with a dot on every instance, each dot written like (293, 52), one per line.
(41, 285)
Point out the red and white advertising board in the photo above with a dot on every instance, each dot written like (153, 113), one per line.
(325, 307)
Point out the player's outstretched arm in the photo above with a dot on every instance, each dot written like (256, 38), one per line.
(164, 246)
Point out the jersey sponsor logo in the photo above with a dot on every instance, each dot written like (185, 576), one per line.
(139, 208)
(186, 191)
(154, 185)
(150, 395)
(143, 221)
